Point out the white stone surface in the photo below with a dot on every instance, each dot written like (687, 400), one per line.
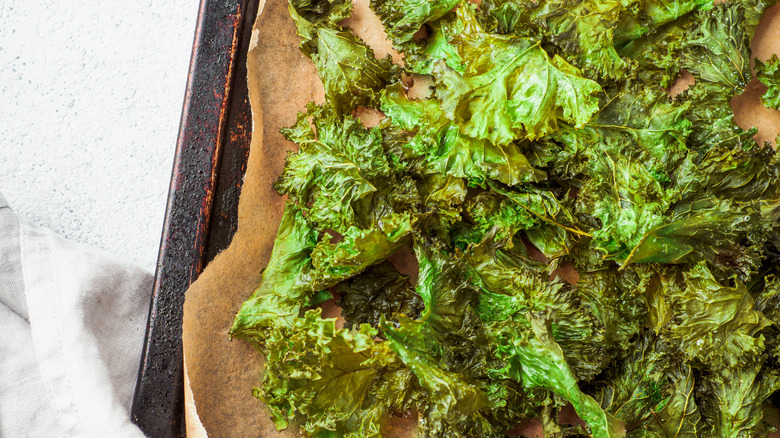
(90, 99)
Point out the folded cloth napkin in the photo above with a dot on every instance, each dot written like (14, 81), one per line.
(72, 323)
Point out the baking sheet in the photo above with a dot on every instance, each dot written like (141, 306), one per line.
(281, 81)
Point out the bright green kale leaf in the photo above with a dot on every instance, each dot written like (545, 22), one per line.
(511, 88)
(359, 249)
(422, 343)
(625, 195)
(652, 15)
(584, 28)
(505, 17)
(538, 361)
(312, 369)
(279, 297)
(668, 211)
(310, 15)
(447, 150)
(328, 376)
(718, 231)
(769, 75)
(336, 166)
(350, 73)
(437, 48)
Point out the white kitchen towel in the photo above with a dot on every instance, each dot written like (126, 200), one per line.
(72, 323)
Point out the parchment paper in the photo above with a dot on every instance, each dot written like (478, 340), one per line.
(220, 372)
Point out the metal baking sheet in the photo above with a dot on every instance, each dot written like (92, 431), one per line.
(201, 215)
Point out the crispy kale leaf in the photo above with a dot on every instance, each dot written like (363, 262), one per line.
(350, 73)
(308, 367)
(380, 291)
(536, 359)
(715, 326)
(511, 87)
(735, 400)
(338, 163)
(422, 343)
(584, 28)
(281, 293)
(404, 18)
(651, 392)
(769, 75)
(446, 150)
(546, 143)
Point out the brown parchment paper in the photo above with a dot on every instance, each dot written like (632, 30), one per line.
(220, 372)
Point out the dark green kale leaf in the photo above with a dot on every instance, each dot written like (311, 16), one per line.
(734, 400)
(514, 285)
(651, 392)
(754, 10)
(718, 55)
(380, 291)
(639, 137)
(554, 228)
(680, 415)
(721, 216)
(719, 231)
(626, 195)
(494, 213)
(403, 18)
(658, 54)
(534, 358)
(769, 75)
(329, 376)
(721, 41)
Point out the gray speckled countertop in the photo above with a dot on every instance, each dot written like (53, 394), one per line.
(91, 95)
